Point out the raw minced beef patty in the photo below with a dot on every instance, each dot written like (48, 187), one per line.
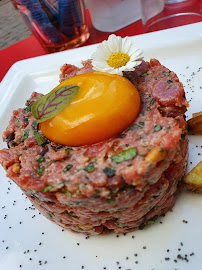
(116, 185)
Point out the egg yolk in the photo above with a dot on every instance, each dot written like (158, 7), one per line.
(105, 106)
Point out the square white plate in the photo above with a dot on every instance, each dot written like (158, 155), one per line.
(29, 241)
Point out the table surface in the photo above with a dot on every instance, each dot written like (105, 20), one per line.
(30, 47)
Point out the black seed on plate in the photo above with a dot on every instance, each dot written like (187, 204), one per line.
(185, 221)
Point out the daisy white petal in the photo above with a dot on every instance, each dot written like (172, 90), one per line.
(113, 44)
(116, 55)
(126, 44)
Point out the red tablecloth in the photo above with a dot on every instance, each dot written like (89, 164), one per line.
(30, 47)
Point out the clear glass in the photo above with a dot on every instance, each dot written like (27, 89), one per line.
(58, 25)
(112, 15)
(174, 13)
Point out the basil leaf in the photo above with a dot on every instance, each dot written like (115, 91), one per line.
(54, 102)
(125, 155)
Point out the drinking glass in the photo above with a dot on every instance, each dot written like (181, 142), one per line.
(57, 24)
(174, 13)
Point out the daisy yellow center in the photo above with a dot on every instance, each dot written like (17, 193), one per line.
(117, 60)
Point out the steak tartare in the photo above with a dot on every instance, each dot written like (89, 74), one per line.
(120, 184)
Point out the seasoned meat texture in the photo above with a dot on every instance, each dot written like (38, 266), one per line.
(116, 185)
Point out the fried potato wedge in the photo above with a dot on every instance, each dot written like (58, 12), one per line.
(195, 123)
(193, 180)
(196, 114)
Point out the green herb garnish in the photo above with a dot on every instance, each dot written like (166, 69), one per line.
(54, 102)
(110, 201)
(90, 167)
(125, 155)
(40, 170)
(67, 168)
(71, 214)
(157, 128)
(137, 126)
(169, 81)
(121, 135)
(40, 139)
(34, 125)
(152, 101)
(25, 136)
(109, 172)
(47, 188)
(144, 74)
(41, 159)
(166, 73)
(28, 108)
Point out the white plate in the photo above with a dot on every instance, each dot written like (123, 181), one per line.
(30, 240)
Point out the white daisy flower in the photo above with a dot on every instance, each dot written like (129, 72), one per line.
(116, 55)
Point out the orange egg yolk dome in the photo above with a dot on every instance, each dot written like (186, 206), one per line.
(105, 106)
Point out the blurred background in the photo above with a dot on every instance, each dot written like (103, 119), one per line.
(12, 26)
